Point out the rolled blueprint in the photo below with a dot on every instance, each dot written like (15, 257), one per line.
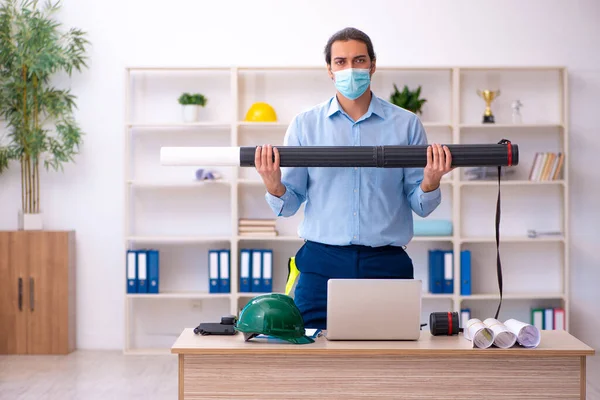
(397, 156)
(478, 333)
(527, 334)
(503, 337)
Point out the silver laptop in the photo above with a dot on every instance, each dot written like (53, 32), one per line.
(373, 309)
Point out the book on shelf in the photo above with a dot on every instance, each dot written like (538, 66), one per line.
(257, 222)
(546, 166)
(258, 233)
(257, 227)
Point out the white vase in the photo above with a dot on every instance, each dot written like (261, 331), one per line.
(190, 112)
(30, 222)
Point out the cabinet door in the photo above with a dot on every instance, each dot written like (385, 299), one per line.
(13, 274)
(48, 303)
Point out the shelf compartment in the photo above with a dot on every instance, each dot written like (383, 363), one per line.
(509, 182)
(181, 212)
(177, 239)
(540, 92)
(436, 88)
(180, 295)
(526, 269)
(519, 309)
(519, 206)
(143, 162)
(155, 325)
(154, 95)
(514, 296)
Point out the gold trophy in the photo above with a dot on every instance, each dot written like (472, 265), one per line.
(488, 96)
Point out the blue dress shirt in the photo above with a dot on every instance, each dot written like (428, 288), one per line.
(367, 206)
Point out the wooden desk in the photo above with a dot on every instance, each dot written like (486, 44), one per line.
(439, 367)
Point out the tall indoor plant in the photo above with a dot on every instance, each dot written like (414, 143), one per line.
(39, 117)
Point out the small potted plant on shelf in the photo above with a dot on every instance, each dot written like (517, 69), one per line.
(41, 128)
(191, 104)
(408, 99)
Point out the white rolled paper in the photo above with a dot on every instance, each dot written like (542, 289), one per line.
(503, 337)
(200, 156)
(478, 333)
(527, 335)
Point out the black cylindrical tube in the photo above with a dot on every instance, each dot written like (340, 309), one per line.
(414, 156)
(443, 323)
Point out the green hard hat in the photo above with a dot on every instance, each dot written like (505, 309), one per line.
(275, 315)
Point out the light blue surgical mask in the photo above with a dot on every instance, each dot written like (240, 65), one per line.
(352, 82)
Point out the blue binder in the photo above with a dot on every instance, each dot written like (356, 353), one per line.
(448, 271)
(213, 271)
(153, 271)
(436, 271)
(131, 271)
(142, 271)
(245, 270)
(256, 284)
(465, 272)
(224, 270)
(267, 271)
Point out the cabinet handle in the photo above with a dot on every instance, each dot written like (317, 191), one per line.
(31, 297)
(20, 294)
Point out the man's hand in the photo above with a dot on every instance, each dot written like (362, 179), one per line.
(439, 161)
(269, 169)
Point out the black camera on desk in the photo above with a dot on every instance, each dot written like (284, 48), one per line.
(225, 327)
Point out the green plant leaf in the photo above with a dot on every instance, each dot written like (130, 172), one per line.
(408, 99)
(39, 117)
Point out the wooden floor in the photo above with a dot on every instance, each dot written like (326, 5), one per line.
(92, 375)
(88, 375)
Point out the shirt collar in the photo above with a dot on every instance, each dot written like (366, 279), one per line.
(375, 107)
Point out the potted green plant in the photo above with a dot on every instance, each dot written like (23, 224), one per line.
(38, 116)
(408, 99)
(191, 104)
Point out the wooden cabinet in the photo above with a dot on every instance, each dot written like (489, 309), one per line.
(37, 292)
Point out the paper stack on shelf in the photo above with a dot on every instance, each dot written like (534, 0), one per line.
(257, 227)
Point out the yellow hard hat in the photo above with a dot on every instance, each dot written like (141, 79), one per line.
(261, 112)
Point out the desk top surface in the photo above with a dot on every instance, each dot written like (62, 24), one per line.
(553, 343)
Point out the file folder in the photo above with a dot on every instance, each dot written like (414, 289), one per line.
(537, 318)
(436, 271)
(142, 270)
(559, 319)
(224, 269)
(245, 268)
(213, 271)
(465, 272)
(256, 271)
(131, 271)
(549, 319)
(267, 271)
(448, 272)
(465, 316)
(153, 271)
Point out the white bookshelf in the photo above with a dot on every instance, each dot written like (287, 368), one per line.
(166, 209)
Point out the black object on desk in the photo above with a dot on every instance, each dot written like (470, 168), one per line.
(225, 327)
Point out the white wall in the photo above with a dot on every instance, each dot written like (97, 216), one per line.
(180, 32)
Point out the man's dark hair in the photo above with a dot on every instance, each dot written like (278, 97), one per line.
(349, 34)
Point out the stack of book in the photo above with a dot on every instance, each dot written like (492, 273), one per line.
(257, 227)
(546, 166)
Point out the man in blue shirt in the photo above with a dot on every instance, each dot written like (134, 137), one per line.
(357, 221)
